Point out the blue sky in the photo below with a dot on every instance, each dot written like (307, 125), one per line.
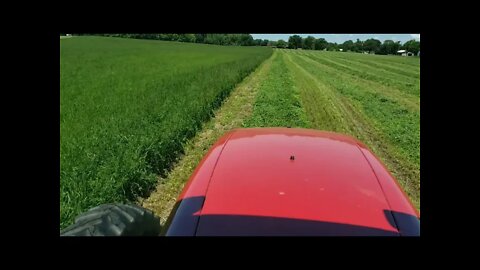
(340, 38)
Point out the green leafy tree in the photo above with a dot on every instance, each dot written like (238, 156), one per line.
(295, 42)
(309, 43)
(246, 40)
(200, 38)
(186, 38)
(389, 47)
(372, 45)
(281, 43)
(217, 39)
(348, 45)
(226, 40)
(320, 44)
(272, 43)
(332, 47)
(358, 46)
(173, 37)
(412, 46)
(234, 39)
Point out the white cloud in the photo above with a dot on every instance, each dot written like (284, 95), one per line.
(415, 36)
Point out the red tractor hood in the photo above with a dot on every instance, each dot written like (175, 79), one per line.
(263, 175)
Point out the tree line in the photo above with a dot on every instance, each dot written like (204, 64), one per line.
(294, 42)
(217, 39)
(368, 46)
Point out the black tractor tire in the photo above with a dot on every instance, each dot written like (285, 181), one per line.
(115, 220)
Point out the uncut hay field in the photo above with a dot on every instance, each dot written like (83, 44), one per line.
(127, 106)
(137, 116)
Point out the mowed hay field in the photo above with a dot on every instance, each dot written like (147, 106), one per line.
(371, 97)
(128, 106)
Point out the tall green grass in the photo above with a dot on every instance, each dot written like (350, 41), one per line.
(127, 106)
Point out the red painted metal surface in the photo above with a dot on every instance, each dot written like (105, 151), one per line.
(397, 199)
(198, 182)
(296, 174)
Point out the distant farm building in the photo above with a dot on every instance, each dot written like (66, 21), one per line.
(405, 53)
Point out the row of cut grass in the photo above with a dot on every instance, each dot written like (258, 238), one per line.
(413, 72)
(388, 123)
(410, 86)
(277, 103)
(401, 125)
(410, 102)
